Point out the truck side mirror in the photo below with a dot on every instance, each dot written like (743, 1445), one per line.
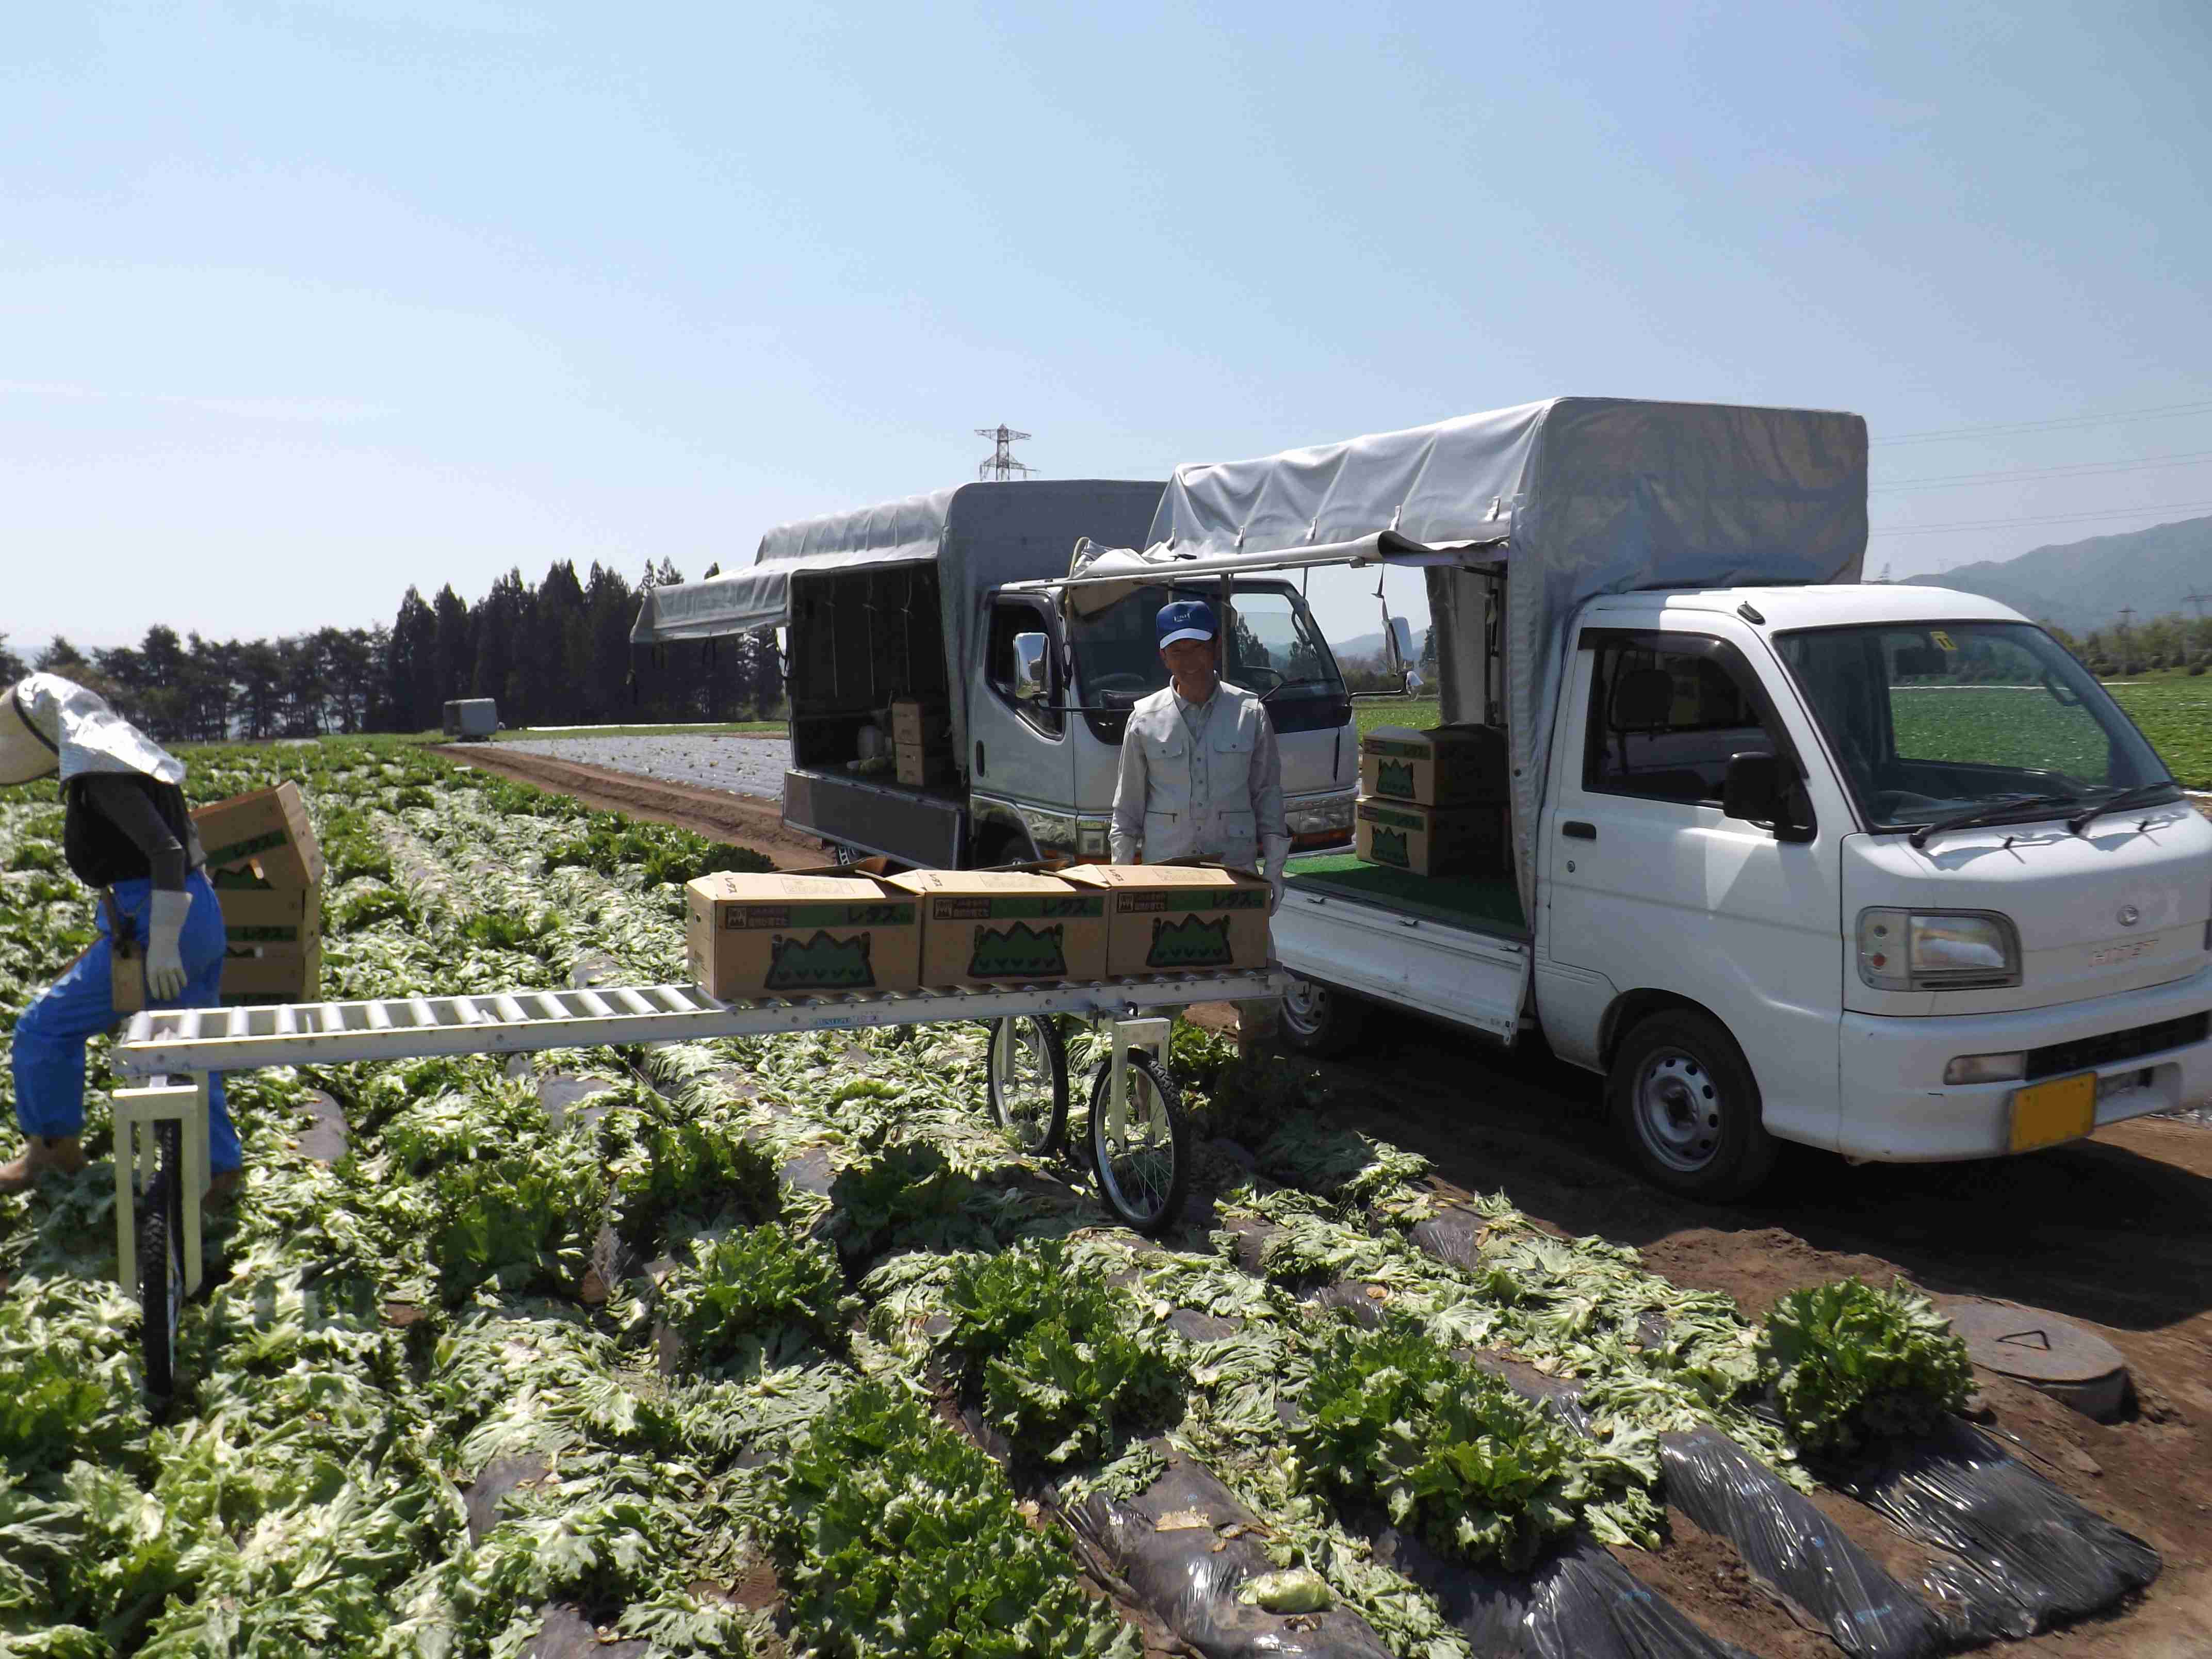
(1754, 788)
(1029, 668)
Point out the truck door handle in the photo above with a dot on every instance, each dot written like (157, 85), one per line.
(979, 758)
(1575, 829)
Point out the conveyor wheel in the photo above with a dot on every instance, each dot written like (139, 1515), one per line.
(1142, 1153)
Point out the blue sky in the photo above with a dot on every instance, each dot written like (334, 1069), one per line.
(305, 302)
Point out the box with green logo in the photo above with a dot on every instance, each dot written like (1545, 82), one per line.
(1006, 927)
(264, 835)
(1431, 840)
(1443, 765)
(785, 935)
(1179, 918)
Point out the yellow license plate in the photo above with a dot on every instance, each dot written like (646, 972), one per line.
(2064, 1108)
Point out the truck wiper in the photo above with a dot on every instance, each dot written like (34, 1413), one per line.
(1990, 812)
(2143, 795)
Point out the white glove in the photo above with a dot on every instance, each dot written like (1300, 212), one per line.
(165, 960)
(1276, 853)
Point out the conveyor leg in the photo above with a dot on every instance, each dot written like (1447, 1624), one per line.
(136, 1112)
(1124, 1035)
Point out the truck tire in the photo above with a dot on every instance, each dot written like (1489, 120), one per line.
(1684, 1099)
(1319, 1019)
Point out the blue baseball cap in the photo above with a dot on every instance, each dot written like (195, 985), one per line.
(1185, 619)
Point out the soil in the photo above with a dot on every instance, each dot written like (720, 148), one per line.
(2114, 1233)
(735, 820)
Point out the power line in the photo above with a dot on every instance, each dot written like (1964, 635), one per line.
(2059, 424)
(2052, 518)
(2062, 470)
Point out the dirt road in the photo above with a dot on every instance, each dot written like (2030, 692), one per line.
(735, 820)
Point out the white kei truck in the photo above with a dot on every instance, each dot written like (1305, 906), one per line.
(950, 601)
(1879, 869)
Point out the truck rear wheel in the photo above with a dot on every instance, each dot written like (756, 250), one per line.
(1319, 1019)
(1685, 1100)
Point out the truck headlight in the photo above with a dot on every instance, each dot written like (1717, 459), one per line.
(1986, 1068)
(1937, 950)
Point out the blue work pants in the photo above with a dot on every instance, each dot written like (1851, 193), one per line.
(50, 1038)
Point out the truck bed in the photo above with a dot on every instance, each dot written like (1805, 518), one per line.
(1489, 904)
(914, 825)
(1453, 948)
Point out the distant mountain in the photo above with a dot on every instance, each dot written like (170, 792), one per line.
(1370, 645)
(2084, 585)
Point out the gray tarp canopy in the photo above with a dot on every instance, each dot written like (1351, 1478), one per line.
(1602, 496)
(979, 536)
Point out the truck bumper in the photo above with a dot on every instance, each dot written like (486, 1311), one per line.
(1897, 1108)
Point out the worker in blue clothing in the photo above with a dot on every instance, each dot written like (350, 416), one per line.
(127, 832)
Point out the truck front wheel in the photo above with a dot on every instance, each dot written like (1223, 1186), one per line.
(1685, 1100)
(1319, 1019)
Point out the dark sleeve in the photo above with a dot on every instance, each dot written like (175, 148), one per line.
(124, 803)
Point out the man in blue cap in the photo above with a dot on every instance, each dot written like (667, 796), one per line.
(1201, 776)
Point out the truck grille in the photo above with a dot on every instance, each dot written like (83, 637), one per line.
(2114, 1045)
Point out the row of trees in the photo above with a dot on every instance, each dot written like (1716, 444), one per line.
(557, 654)
(2168, 641)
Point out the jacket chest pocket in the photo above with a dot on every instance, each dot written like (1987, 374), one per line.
(1167, 765)
(1230, 762)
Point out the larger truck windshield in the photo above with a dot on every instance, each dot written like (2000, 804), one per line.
(1987, 721)
(1273, 651)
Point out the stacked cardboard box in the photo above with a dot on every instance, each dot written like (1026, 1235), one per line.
(1433, 802)
(266, 868)
(921, 743)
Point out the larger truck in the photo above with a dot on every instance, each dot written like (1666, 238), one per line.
(1028, 692)
(1879, 869)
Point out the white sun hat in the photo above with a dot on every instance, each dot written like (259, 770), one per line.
(50, 725)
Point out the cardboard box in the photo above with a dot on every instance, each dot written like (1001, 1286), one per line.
(1431, 840)
(273, 973)
(1443, 765)
(919, 767)
(263, 928)
(794, 934)
(281, 915)
(991, 927)
(1178, 918)
(268, 829)
(921, 722)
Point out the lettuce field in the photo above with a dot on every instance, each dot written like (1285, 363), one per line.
(780, 1346)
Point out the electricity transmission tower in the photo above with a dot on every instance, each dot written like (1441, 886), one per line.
(1002, 465)
(2198, 600)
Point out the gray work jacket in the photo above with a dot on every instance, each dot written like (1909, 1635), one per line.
(1228, 807)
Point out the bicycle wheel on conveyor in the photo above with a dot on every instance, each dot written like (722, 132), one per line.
(1027, 1077)
(162, 1261)
(1143, 1159)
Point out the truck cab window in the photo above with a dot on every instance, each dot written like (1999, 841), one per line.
(1008, 619)
(1665, 721)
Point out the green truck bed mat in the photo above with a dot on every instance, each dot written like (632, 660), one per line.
(1489, 903)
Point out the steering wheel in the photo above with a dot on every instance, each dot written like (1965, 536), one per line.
(1102, 686)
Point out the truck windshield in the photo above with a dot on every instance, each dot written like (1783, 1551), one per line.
(1273, 650)
(1995, 720)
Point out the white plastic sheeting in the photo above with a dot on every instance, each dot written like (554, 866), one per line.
(980, 536)
(1606, 496)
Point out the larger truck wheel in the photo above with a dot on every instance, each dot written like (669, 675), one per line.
(1318, 1019)
(1685, 1100)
